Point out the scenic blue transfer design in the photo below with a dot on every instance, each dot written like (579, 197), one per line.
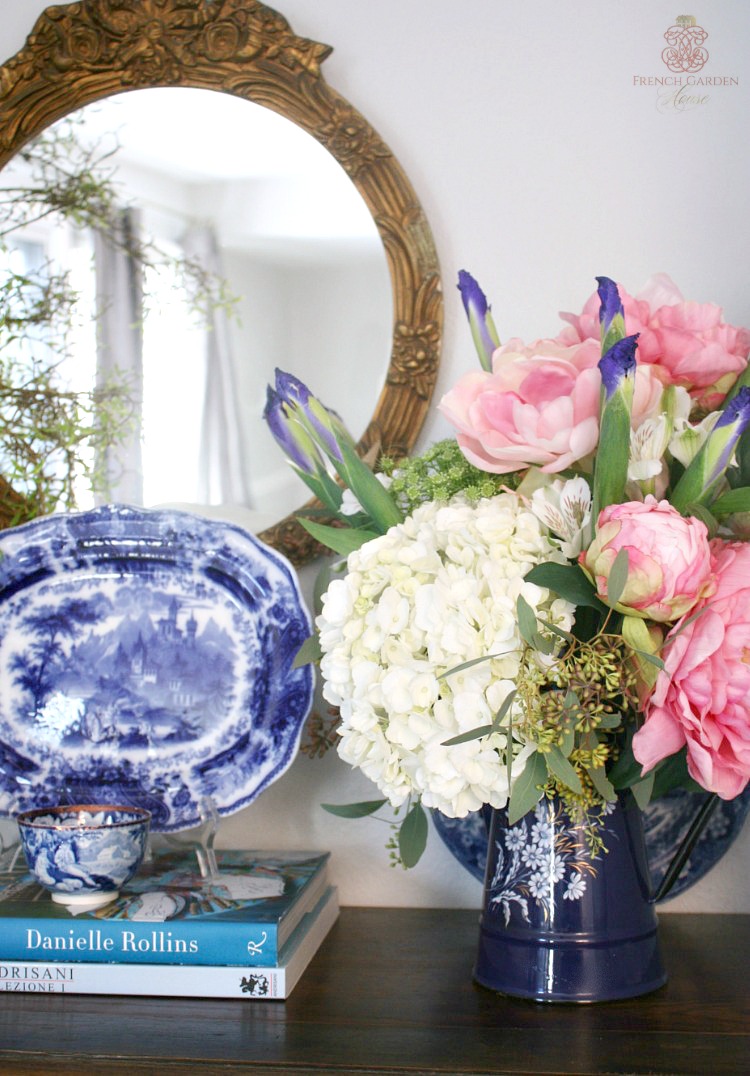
(146, 658)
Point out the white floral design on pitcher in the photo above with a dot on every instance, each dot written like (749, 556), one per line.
(540, 858)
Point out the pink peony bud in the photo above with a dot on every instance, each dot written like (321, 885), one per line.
(669, 558)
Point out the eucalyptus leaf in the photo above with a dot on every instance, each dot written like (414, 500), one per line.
(528, 788)
(468, 665)
(309, 653)
(566, 635)
(610, 721)
(561, 768)
(354, 810)
(472, 734)
(412, 836)
(507, 703)
(527, 626)
(542, 644)
(568, 741)
(652, 659)
(642, 790)
(601, 783)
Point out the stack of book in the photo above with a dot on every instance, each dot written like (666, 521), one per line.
(248, 931)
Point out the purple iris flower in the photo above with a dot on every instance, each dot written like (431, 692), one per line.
(610, 302)
(280, 426)
(300, 401)
(736, 413)
(477, 310)
(618, 363)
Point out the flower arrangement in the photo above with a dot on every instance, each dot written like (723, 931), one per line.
(557, 601)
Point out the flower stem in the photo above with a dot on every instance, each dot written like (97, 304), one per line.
(689, 842)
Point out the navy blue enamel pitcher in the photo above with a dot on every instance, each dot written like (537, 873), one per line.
(563, 923)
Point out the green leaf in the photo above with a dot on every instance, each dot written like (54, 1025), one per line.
(736, 500)
(528, 788)
(610, 721)
(560, 767)
(642, 790)
(673, 773)
(472, 734)
(412, 836)
(706, 516)
(371, 494)
(309, 653)
(618, 577)
(567, 580)
(625, 771)
(527, 627)
(353, 810)
(342, 540)
(602, 784)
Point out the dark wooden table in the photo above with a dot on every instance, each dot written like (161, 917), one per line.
(391, 991)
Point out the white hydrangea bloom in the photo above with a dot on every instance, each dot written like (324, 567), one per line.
(436, 591)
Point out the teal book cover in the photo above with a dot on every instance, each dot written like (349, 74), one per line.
(170, 913)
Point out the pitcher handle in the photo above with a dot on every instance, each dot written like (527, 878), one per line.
(686, 846)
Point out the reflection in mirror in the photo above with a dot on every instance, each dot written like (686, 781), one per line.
(259, 203)
(80, 54)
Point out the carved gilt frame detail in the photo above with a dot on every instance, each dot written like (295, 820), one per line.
(81, 52)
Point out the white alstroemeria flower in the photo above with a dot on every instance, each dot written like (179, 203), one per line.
(565, 507)
(647, 469)
(687, 439)
(428, 596)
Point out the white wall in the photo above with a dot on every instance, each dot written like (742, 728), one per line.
(540, 165)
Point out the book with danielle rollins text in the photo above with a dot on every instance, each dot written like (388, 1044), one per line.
(172, 980)
(170, 914)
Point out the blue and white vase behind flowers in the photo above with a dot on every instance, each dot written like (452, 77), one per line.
(564, 921)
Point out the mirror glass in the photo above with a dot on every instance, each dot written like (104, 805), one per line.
(260, 203)
(321, 318)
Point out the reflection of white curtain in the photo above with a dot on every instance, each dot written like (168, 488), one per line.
(222, 475)
(119, 305)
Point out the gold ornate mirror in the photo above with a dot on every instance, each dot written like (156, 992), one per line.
(79, 53)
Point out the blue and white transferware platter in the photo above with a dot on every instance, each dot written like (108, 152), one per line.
(665, 820)
(146, 659)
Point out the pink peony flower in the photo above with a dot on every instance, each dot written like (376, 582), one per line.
(539, 405)
(687, 340)
(702, 696)
(669, 558)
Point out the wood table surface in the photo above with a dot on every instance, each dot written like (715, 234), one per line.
(390, 991)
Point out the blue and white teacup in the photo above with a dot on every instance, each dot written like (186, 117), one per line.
(84, 854)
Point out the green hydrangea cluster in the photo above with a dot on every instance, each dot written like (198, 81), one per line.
(438, 474)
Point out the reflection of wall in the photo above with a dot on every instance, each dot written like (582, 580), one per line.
(299, 316)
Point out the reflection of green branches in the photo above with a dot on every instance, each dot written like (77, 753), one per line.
(66, 177)
(51, 437)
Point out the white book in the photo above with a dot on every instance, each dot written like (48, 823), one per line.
(180, 980)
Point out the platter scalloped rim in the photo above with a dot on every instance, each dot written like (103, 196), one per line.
(146, 658)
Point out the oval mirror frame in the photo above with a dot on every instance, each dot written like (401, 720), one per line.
(79, 53)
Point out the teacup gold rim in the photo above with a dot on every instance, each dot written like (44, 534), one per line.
(27, 818)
